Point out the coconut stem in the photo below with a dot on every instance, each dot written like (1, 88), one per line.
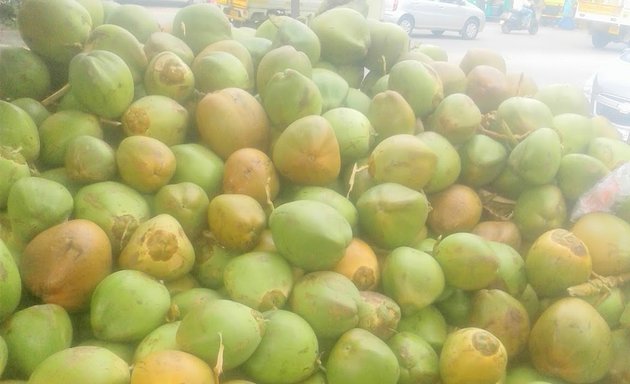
(319, 363)
(498, 206)
(173, 314)
(512, 140)
(492, 134)
(598, 285)
(502, 133)
(218, 368)
(268, 193)
(113, 123)
(56, 96)
(355, 170)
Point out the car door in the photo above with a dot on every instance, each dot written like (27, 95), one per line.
(424, 12)
(452, 14)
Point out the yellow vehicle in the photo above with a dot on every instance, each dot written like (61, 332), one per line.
(551, 11)
(254, 12)
(609, 20)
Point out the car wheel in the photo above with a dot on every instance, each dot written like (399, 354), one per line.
(505, 28)
(600, 39)
(533, 27)
(471, 29)
(407, 24)
(437, 32)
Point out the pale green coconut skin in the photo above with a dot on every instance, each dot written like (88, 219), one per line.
(82, 364)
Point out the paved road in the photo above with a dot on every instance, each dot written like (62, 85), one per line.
(554, 55)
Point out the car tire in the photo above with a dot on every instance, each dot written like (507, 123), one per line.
(471, 29)
(533, 27)
(505, 28)
(600, 39)
(407, 23)
(437, 32)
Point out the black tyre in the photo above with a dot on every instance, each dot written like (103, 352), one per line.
(407, 24)
(600, 39)
(533, 27)
(471, 29)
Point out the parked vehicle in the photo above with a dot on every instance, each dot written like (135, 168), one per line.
(523, 19)
(438, 16)
(609, 20)
(552, 11)
(494, 9)
(254, 12)
(609, 93)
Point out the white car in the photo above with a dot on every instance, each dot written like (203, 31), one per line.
(609, 92)
(437, 16)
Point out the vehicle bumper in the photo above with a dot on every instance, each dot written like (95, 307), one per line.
(615, 109)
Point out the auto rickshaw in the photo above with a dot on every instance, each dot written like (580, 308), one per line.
(552, 12)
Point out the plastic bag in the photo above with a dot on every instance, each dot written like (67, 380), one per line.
(609, 193)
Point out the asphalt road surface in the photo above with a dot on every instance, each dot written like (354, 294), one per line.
(553, 55)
